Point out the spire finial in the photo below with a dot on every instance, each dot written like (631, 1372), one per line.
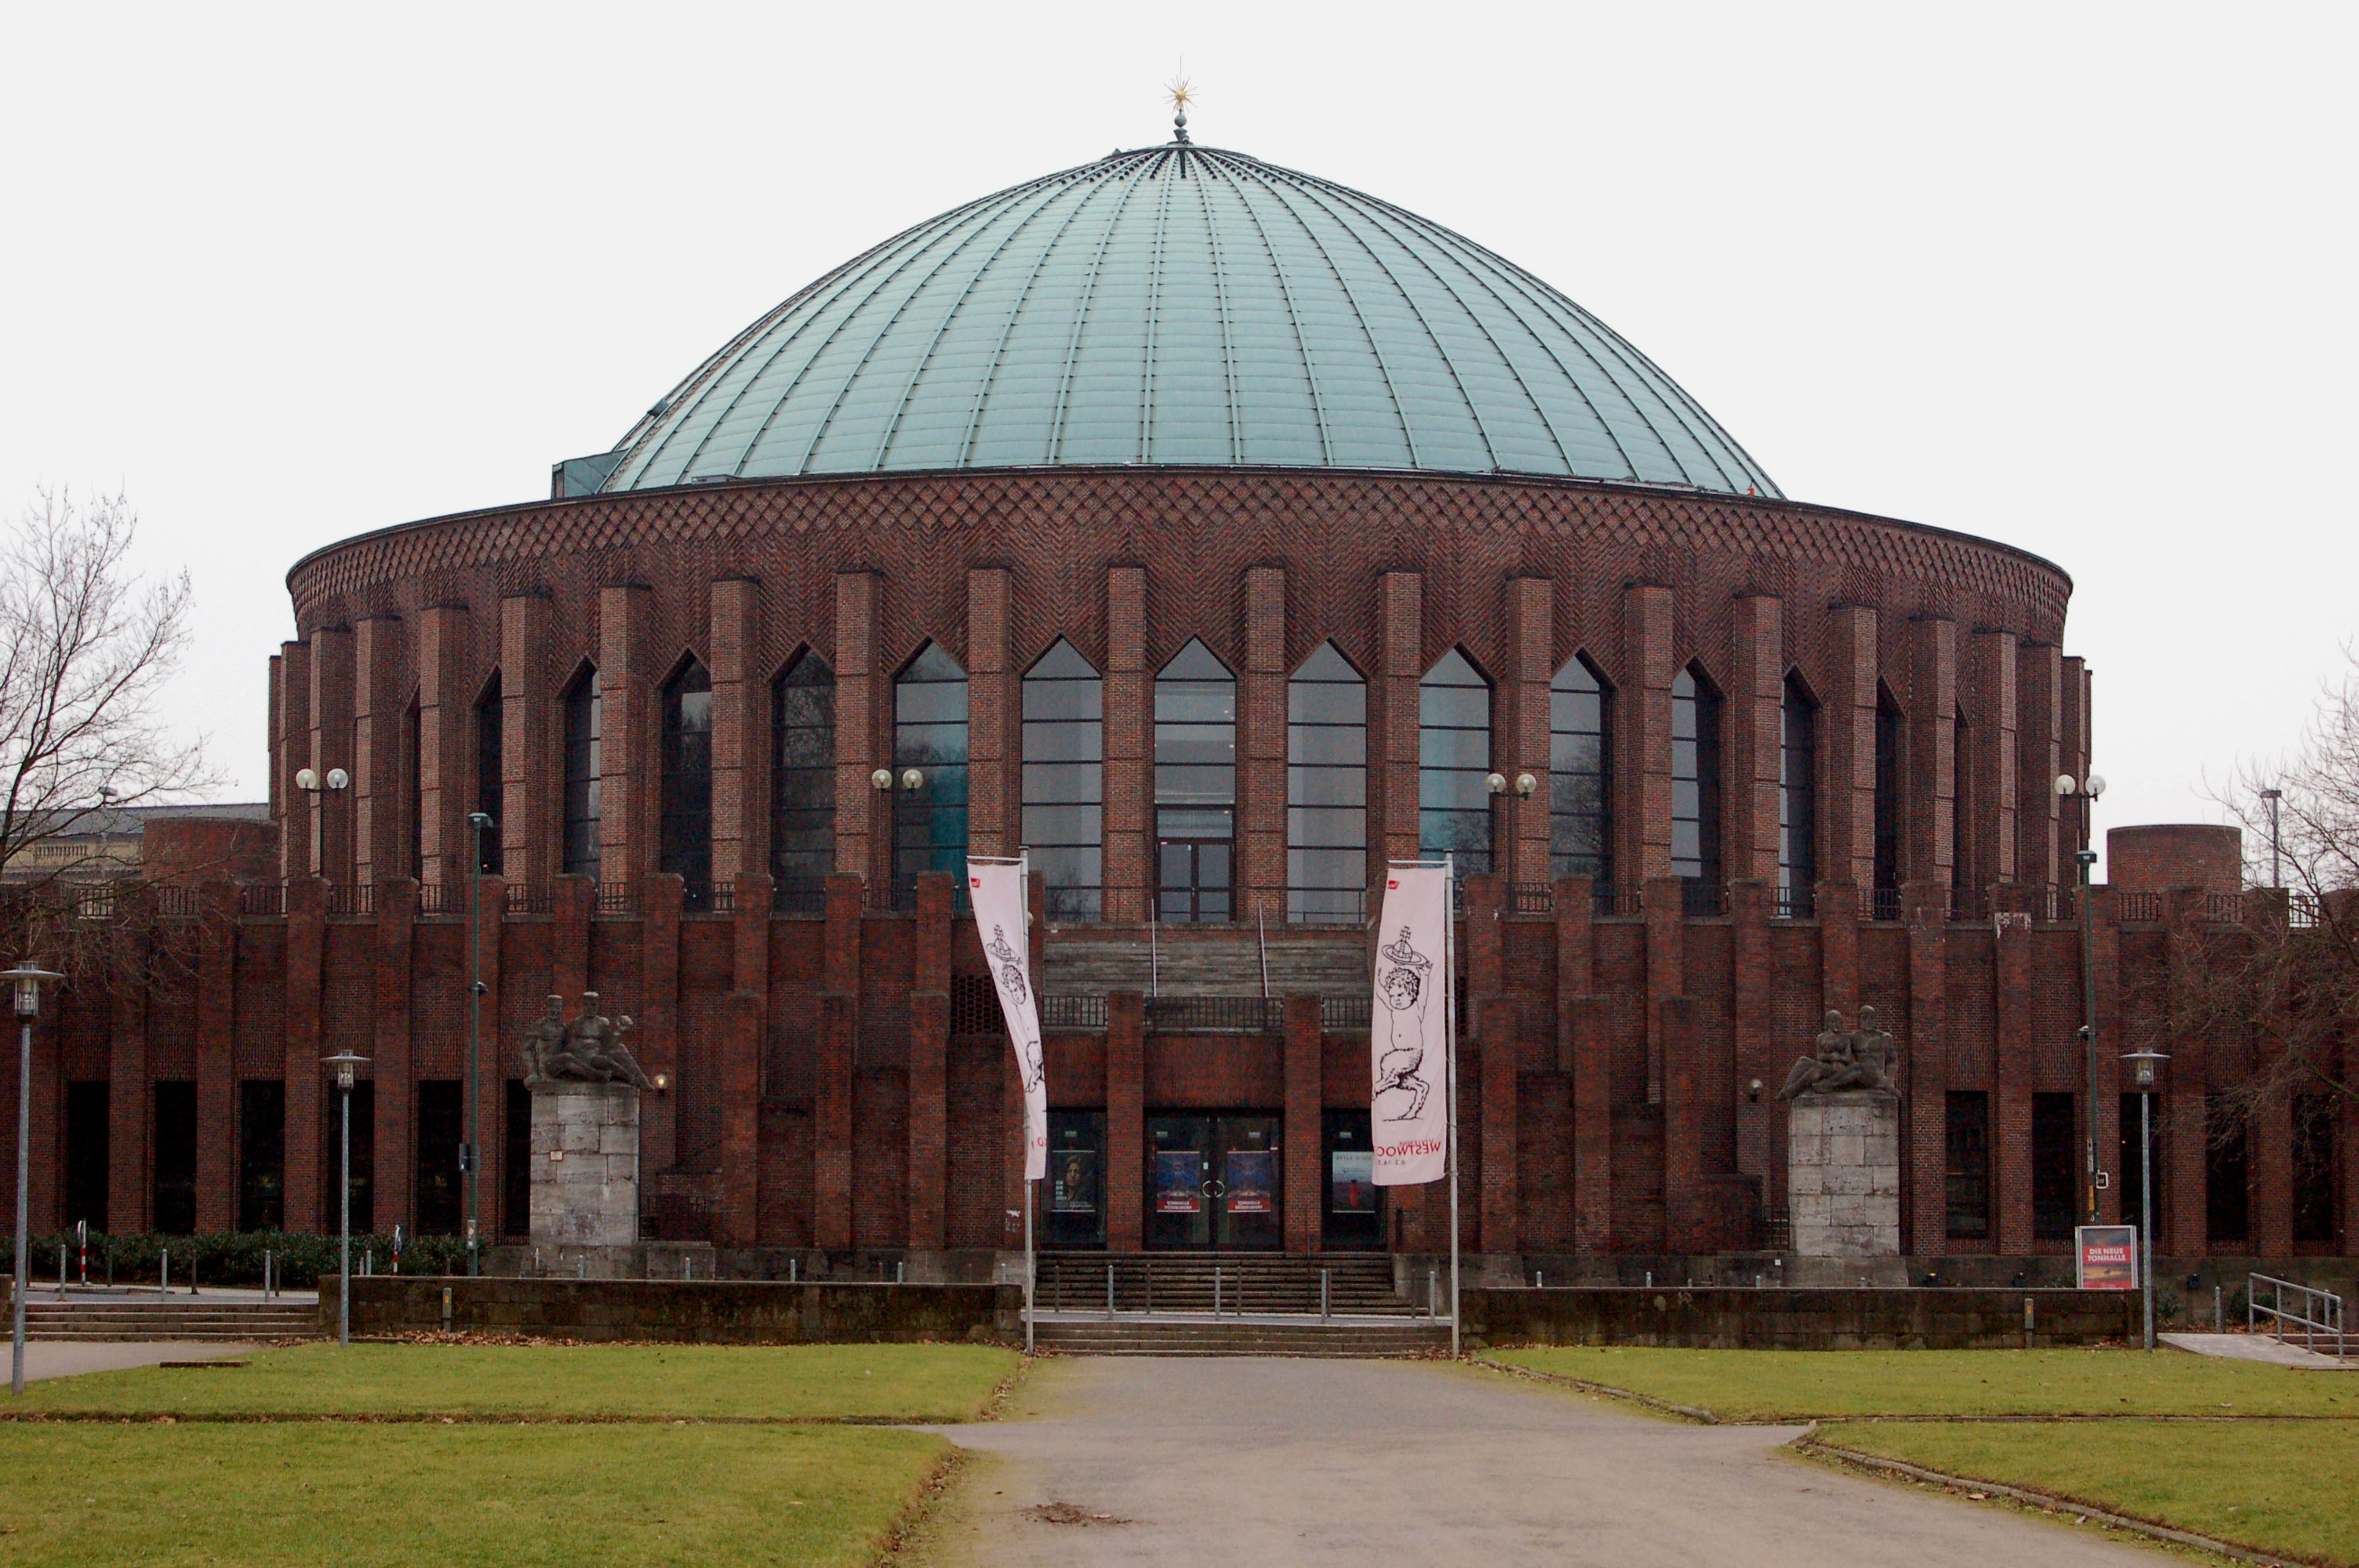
(1181, 95)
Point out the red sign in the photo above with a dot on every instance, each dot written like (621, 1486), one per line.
(2107, 1256)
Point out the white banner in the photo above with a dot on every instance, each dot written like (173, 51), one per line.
(997, 892)
(1410, 1039)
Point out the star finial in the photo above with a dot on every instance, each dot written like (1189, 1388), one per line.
(1181, 94)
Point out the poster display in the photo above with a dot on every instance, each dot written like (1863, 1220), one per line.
(1352, 1181)
(1073, 1182)
(1252, 1180)
(1178, 1181)
(2107, 1257)
(997, 890)
(1409, 1041)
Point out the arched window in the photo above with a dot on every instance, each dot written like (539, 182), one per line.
(1195, 787)
(488, 772)
(1453, 758)
(1581, 775)
(685, 847)
(802, 784)
(1695, 778)
(1064, 781)
(1886, 865)
(1327, 791)
(929, 712)
(581, 776)
(1798, 800)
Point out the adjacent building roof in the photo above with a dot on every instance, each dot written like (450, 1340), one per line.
(1180, 305)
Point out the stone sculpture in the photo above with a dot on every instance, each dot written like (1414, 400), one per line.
(1846, 1060)
(590, 1050)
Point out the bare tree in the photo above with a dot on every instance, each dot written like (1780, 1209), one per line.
(2283, 985)
(86, 646)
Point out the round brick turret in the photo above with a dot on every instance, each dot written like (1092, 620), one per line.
(2158, 856)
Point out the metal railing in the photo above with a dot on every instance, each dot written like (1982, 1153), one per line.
(1794, 904)
(799, 896)
(254, 898)
(1072, 1013)
(1532, 898)
(442, 898)
(1879, 904)
(1614, 900)
(528, 898)
(618, 898)
(1345, 1011)
(2223, 908)
(2318, 1312)
(2130, 907)
(1214, 1014)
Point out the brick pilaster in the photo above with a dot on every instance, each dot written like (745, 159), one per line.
(2041, 858)
(1754, 1048)
(861, 822)
(1642, 737)
(1593, 1127)
(446, 762)
(657, 1038)
(1926, 1071)
(129, 1188)
(1126, 1096)
(741, 751)
(331, 747)
(994, 822)
(1752, 736)
(573, 900)
(626, 738)
(1838, 947)
(1129, 785)
(1990, 698)
(930, 1029)
(1305, 1195)
(216, 982)
(2011, 1091)
(1392, 785)
(1682, 1127)
(831, 1087)
(1498, 1198)
(531, 734)
(1928, 851)
(1666, 968)
(2180, 1160)
(380, 832)
(747, 1028)
(1531, 643)
(1261, 746)
(1847, 731)
(308, 1206)
(393, 1065)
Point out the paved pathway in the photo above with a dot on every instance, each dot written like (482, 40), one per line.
(1359, 1463)
(68, 1358)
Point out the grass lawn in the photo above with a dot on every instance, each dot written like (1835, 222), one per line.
(269, 1493)
(2278, 1486)
(1795, 1385)
(877, 1382)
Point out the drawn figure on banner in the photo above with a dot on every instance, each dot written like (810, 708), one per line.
(1009, 963)
(1405, 984)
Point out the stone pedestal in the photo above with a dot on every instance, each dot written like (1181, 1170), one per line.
(585, 1166)
(1843, 1174)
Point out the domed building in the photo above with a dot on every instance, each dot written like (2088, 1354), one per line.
(1215, 534)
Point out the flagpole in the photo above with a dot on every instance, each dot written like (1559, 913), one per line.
(1024, 873)
(1449, 1003)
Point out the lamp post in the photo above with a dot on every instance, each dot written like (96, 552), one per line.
(27, 980)
(344, 1062)
(471, 1152)
(2068, 788)
(310, 780)
(2142, 1066)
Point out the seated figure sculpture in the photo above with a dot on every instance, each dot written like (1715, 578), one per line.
(1842, 1059)
(588, 1051)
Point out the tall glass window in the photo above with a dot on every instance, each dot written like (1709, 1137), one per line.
(1195, 787)
(581, 776)
(1581, 773)
(1327, 791)
(1798, 796)
(929, 712)
(685, 847)
(1064, 781)
(1695, 778)
(803, 781)
(489, 736)
(1887, 791)
(1453, 757)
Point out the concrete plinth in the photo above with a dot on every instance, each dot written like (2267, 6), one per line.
(1843, 1174)
(585, 1167)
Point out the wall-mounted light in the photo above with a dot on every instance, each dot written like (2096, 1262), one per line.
(1495, 783)
(311, 782)
(913, 778)
(881, 779)
(1525, 784)
(663, 1081)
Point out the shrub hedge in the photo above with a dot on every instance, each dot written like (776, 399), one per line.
(298, 1259)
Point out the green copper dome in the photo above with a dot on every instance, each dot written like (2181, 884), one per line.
(1180, 305)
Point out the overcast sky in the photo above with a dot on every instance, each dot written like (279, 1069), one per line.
(2076, 277)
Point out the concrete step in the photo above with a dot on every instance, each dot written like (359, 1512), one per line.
(1153, 1336)
(1264, 1282)
(175, 1320)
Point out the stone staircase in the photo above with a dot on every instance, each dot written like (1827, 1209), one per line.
(178, 1318)
(1242, 1336)
(1323, 960)
(1257, 1285)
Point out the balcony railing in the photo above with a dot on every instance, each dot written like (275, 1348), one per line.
(1345, 1011)
(1532, 898)
(799, 896)
(2137, 906)
(254, 898)
(1614, 900)
(1879, 904)
(1072, 1013)
(1794, 904)
(618, 900)
(528, 898)
(1214, 1014)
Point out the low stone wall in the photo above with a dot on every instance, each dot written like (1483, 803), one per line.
(709, 1312)
(1727, 1318)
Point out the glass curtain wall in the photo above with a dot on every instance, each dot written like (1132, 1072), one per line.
(1327, 791)
(1195, 787)
(1580, 773)
(929, 714)
(1798, 801)
(802, 785)
(685, 846)
(1453, 754)
(1695, 778)
(489, 738)
(1064, 781)
(581, 776)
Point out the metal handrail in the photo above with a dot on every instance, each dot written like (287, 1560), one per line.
(2327, 1305)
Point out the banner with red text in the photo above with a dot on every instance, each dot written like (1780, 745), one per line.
(997, 893)
(1409, 1038)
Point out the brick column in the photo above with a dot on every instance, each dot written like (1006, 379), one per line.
(306, 977)
(1927, 853)
(1847, 727)
(1839, 947)
(657, 1038)
(1125, 1094)
(1392, 782)
(1574, 907)
(740, 750)
(993, 800)
(2041, 858)
(445, 759)
(1755, 1047)
(1261, 745)
(573, 900)
(490, 1132)
(2105, 947)
(1305, 1194)
(532, 777)
(331, 747)
(1531, 651)
(746, 1028)
(1990, 693)
(1753, 735)
(380, 838)
(2179, 1163)
(831, 1077)
(1682, 1127)
(393, 1066)
(216, 997)
(1666, 968)
(626, 738)
(929, 1031)
(1642, 738)
(1593, 1127)
(1129, 783)
(1498, 1200)
(129, 1188)
(291, 753)
(1925, 1079)
(861, 821)
(2011, 1090)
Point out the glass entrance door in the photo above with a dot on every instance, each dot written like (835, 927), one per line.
(1194, 876)
(1213, 1182)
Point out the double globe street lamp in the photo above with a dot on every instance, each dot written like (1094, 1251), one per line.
(344, 1064)
(26, 980)
(2070, 788)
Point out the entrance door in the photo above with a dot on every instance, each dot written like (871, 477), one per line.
(1213, 1182)
(1193, 874)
